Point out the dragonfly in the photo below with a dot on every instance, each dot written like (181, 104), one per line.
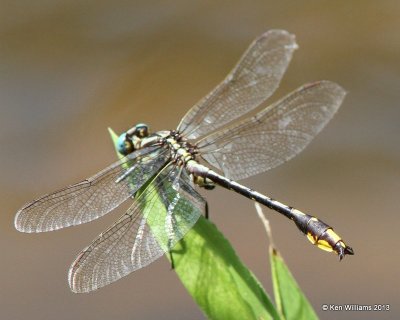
(216, 143)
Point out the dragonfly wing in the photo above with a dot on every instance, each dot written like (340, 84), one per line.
(252, 81)
(93, 197)
(275, 134)
(160, 216)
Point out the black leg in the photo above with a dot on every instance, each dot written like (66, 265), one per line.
(206, 213)
(171, 257)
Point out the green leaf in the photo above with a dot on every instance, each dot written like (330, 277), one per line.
(215, 277)
(290, 300)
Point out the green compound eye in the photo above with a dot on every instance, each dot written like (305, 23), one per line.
(124, 144)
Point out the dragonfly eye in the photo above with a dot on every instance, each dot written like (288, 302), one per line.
(125, 145)
(142, 130)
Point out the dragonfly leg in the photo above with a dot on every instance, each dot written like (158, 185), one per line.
(171, 259)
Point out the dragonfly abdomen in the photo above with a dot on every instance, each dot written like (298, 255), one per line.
(317, 231)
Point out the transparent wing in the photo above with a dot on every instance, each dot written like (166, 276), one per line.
(275, 134)
(93, 197)
(252, 80)
(158, 219)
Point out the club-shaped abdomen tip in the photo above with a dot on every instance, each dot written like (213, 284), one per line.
(342, 250)
(329, 240)
(323, 236)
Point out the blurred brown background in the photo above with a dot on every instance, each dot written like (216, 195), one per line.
(68, 70)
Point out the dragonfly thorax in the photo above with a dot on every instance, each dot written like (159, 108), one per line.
(181, 150)
(184, 154)
(138, 137)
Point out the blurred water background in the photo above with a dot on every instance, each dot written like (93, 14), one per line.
(70, 69)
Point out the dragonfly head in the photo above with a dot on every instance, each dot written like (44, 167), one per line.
(130, 140)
